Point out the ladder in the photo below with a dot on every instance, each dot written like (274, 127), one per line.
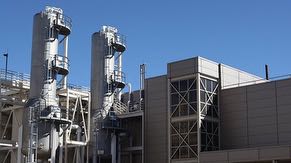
(33, 135)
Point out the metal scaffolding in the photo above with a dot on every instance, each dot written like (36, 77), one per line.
(14, 92)
(74, 102)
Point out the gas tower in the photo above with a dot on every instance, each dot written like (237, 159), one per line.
(42, 118)
(107, 82)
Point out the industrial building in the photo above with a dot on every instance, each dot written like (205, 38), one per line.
(200, 111)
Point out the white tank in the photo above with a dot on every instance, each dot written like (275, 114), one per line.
(46, 64)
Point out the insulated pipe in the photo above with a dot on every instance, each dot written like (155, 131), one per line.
(19, 156)
(113, 147)
(61, 149)
(79, 131)
(119, 72)
(129, 94)
(83, 151)
(141, 91)
(66, 56)
(119, 151)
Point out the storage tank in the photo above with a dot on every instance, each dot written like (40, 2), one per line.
(42, 115)
(107, 81)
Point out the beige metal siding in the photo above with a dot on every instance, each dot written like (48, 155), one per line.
(234, 118)
(256, 115)
(262, 118)
(183, 68)
(248, 155)
(156, 147)
(284, 111)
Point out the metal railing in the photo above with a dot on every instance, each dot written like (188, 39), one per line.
(64, 20)
(120, 38)
(59, 16)
(119, 107)
(61, 62)
(15, 78)
(78, 87)
(119, 76)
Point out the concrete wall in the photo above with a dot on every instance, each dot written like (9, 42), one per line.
(156, 143)
(256, 115)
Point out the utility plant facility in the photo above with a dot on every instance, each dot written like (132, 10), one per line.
(199, 111)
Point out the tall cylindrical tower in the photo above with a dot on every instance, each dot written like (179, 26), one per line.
(107, 81)
(42, 116)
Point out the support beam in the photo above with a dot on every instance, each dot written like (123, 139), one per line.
(198, 116)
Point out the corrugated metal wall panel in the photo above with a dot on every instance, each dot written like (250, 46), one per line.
(182, 68)
(156, 147)
(266, 114)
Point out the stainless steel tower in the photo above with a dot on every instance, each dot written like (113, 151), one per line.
(42, 116)
(107, 81)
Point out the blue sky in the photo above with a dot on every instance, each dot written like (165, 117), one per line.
(245, 34)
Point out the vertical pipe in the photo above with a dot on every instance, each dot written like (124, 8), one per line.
(1, 107)
(19, 144)
(6, 62)
(61, 149)
(78, 157)
(119, 150)
(120, 65)
(95, 146)
(142, 138)
(129, 95)
(142, 78)
(61, 145)
(66, 56)
(267, 71)
(66, 133)
(219, 102)
(53, 144)
(87, 154)
(113, 148)
(119, 73)
(83, 150)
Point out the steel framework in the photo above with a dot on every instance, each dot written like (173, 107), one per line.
(193, 117)
(14, 90)
(74, 102)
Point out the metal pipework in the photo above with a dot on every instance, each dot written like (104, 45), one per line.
(129, 94)
(141, 90)
(65, 80)
(43, 124)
